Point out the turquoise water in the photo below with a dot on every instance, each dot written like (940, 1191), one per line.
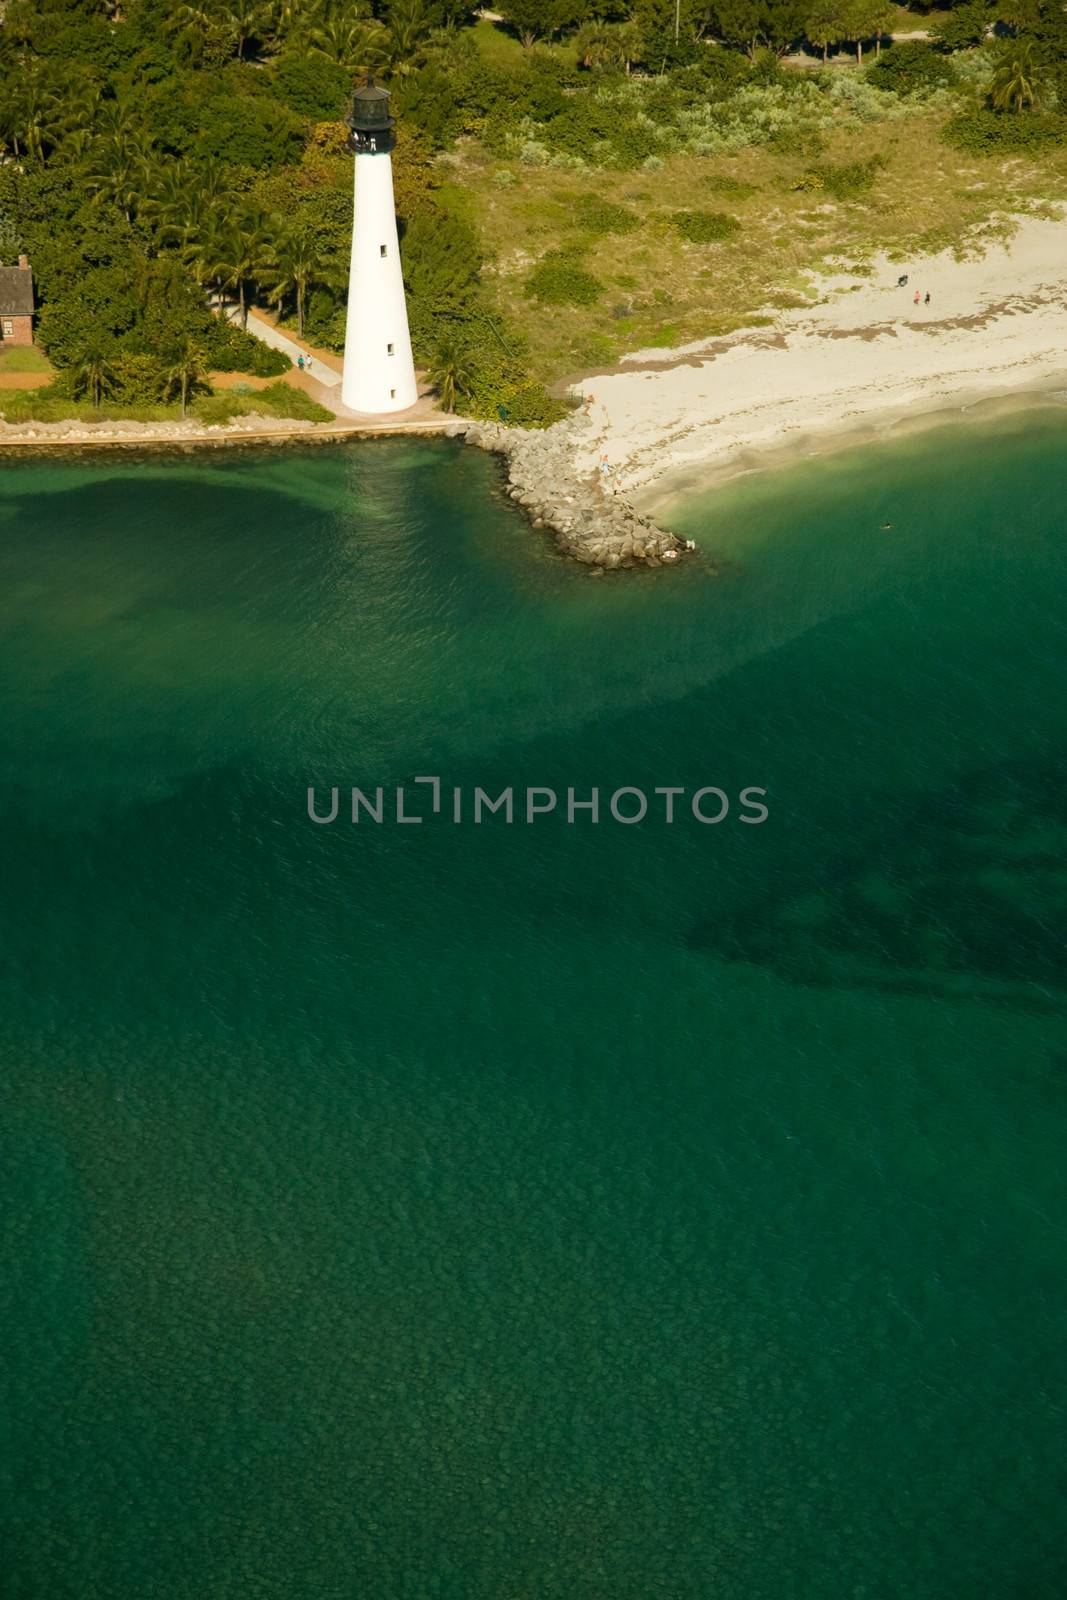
(533, 1212)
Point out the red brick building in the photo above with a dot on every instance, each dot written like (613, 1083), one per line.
(16, 304)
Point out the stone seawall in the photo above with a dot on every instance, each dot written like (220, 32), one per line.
(587, 521)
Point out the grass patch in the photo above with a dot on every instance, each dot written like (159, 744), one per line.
(705, 227)
(559, 280)
(282, 400)
(276, 400)
(24, 358)
(723, 183)
(52, 405)
(500, 48)
(768, 263)
(496, 45)
(847, 181)
(598, 217)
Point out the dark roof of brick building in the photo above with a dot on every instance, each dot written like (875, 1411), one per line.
(16, 292)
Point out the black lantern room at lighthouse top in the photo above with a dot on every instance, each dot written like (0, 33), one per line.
(373, 129)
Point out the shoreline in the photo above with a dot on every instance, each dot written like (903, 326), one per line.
(600, 531)
(870, 359)
(959, 409)
(18, 437)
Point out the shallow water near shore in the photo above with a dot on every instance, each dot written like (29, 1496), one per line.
(575, 1212)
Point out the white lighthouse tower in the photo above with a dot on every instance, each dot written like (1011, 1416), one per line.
(379, 374)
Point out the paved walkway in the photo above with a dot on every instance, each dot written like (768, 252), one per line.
(323, 382)
(271, 334)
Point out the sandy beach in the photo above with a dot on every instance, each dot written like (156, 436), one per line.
(863, 360)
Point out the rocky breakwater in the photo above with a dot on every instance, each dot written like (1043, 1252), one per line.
(587, 520)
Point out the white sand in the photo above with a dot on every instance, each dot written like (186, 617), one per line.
(865, 355)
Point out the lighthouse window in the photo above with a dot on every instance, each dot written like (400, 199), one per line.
(383, 249)
(392, 394)
(390, 349)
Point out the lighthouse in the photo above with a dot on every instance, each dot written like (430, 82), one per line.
(379, 374)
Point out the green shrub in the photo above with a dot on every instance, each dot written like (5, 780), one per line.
(597, 216)
(282, 400)
(844, 182)
(54, 403)
(138, 379)
(227, 348)
(911, 67)
(98, 311)
(248, 131)
(558, 280)
(312, 86)
(964, 26)
(442, 265)
(603, 130)
(216, 409)
(716, 68)
(276, 400)
(997, 133)
(705, 227)
(531, 406)
(721, 183)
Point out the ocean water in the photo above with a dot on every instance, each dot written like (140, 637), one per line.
(533, 1212)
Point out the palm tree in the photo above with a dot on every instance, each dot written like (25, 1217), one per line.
(350, 42)
(169, 200)
(409, 25)
(450, 375)
(93, 375)
(185, 373)
(119, 169)
(114, 119)
(81, 107)
(1015, 86)
(608, 44)
(293, 268)
(76, 150)
(36, 117)
(244, 20)
(191, 26)
(293, 20)
(237, 252)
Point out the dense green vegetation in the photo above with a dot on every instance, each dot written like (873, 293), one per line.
(91, 403)
(153, 154)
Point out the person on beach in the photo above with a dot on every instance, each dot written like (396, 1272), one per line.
(926, 301)
(916, 297)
